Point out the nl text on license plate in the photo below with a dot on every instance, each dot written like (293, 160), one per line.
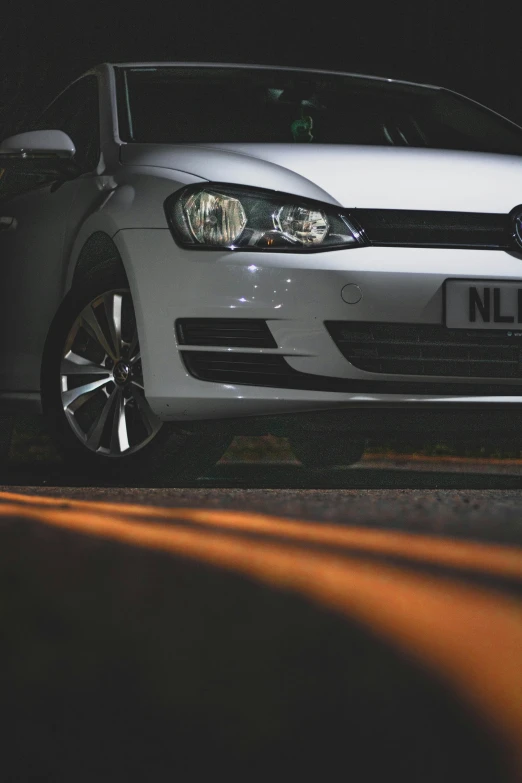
(483, 304)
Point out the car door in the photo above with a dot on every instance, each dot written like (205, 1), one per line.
(35, 211)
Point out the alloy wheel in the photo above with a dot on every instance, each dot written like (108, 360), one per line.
(102, 390)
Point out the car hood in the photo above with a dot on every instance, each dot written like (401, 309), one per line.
(352, 176)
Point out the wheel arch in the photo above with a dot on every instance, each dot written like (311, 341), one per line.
(97, 252)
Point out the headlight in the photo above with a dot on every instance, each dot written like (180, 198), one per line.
(214, 219)
(222, 216)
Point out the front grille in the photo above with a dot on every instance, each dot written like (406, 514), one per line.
(272, 370)
(225, 332)
(404, 349)
(422, 228)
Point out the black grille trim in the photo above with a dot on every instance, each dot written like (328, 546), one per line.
(426, 349)
(422, 228)
(225, 332)
(272, 370)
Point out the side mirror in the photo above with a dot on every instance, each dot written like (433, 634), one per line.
(47, 144)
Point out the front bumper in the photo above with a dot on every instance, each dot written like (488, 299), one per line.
(295, 295)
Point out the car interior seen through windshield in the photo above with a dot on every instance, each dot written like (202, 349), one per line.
(178, 105)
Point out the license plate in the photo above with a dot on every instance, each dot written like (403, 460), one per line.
(483, 304)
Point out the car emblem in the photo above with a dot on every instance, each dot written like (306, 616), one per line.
(516, 218)
(121, 373)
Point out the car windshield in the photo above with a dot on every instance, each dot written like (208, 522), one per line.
(205, 104)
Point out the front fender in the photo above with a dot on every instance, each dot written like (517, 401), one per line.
(132, 200)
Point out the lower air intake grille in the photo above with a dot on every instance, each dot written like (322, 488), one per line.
(225, 332)
(246, 368)
(272, 370)
(404, 349)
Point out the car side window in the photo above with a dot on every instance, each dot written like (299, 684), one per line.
(76, 113)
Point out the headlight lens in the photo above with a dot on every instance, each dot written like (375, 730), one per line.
(214, 219)
(308, 226)
(222, 216)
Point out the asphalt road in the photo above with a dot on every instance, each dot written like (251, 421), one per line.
(264, 624)
(464, 498)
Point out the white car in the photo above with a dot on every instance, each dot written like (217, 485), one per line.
(194, 251)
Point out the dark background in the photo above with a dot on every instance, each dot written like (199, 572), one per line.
(472, 47)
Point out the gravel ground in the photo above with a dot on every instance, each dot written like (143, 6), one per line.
(490, 515)
(476, 499)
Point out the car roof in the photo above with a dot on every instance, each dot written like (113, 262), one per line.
(239, 66)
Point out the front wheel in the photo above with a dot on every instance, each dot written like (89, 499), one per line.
(322, 450)
(93, 393)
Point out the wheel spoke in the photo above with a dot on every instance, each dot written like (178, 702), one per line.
(135, 358)
(119, 435)
(81, 394)
(112, 306)
(93, 327)
(96, 431)
(150, 421)
(73, 364)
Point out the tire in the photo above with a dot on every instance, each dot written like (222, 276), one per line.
(322, 450)
(109, 428)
